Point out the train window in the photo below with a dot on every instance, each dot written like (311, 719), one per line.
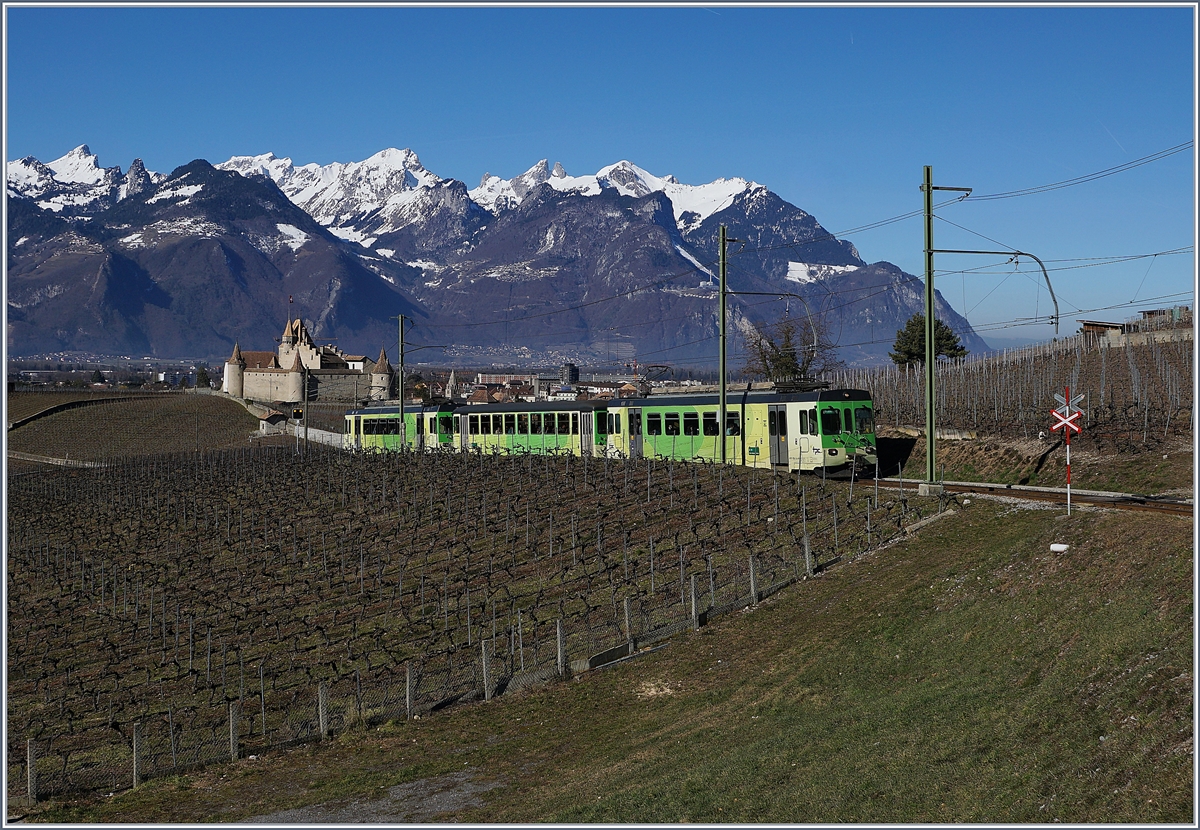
(548, 423)
(783, 424)
(522, 424)
(653, 424)
(510, 424)
(691, 423)
(618, 417)
(831, 421)
(864, 422)
(672, 423)
(535, 424)
(733, 425)
(574, 423)
(635, 424)
(771, 422)
(473, 424)
(710, 424)
(420, 425)
(485, 423)
(564, 423)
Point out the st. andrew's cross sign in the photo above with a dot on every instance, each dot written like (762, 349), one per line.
(1066, 417)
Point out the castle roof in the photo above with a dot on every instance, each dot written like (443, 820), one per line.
(297, 366)
(260, 360)
(236, 357)
(382, 366)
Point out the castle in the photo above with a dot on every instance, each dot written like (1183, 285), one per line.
(279, 377)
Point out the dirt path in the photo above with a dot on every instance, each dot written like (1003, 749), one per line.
(416, 802)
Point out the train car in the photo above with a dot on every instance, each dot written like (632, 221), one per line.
(575, 427)
(793, 431)
(426, 427)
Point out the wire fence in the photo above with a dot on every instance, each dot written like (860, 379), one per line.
(201, 607)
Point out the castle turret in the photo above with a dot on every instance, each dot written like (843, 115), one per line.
(381, 378)
(293, 391)
(235, 368)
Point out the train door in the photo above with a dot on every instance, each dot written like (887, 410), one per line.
(777, 434)
(808, 442)
(635, 434)
(586, 438)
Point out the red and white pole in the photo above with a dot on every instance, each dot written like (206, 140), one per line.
(1068, 432)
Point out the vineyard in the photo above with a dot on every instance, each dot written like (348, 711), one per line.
(1136, 395)
(204, 605)
(147, 424)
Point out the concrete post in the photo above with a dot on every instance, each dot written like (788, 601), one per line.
(695, 607)
(233, 732)
(31, 769)
(323, 709)
(628, 616)
(408, 690)
(753, 583)
(137, 754)
(487, 678)
(562, 647)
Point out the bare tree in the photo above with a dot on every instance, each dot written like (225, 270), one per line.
(790, 350)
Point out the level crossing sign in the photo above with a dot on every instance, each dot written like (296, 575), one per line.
(1066, 417)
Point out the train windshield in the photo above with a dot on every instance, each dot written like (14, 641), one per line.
(864, 421)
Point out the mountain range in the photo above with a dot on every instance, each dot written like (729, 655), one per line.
(544, 267)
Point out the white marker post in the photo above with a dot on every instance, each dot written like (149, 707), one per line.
(1066, 418)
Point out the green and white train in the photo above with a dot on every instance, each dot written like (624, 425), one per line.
(793, 431)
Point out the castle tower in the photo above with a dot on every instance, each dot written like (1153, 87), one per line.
(293, 391)
(235, 368)
(381, 378)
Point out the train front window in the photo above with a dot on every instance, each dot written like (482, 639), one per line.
(691, 423)
(831, 421)
(654, 424)
(864, 421)
(710, 424)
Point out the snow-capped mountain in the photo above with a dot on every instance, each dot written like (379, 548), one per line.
(692, 204)
(388, 202)
(619, 264)
(75, 184)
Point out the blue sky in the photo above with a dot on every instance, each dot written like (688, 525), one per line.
(835, 109)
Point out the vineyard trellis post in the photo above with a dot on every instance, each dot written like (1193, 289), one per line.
(137, 753)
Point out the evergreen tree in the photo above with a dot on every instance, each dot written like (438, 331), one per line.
(910, 342)
(97, 377)
(202, 381)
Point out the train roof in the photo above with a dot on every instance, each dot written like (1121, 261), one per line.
(734, 398)
(533, 406)
(409, 409)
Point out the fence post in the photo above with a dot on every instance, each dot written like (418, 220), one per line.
(408, 689)
(487, 680)
(323, 709)
(137, 753)
(808, 563)
(31, 768)
(562, 647)
(695, 607)
(233, 732)
(358, 695)
(753, 583)
(628, 626)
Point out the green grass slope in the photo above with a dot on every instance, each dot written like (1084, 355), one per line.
(966, 675)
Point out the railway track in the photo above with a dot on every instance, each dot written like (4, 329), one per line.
(1122, 501)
